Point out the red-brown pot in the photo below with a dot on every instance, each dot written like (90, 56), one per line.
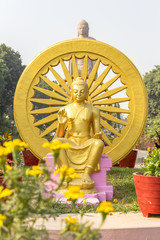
(148, 193)
(129, 160)
(29, 158)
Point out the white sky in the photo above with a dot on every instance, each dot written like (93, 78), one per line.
(132, 26)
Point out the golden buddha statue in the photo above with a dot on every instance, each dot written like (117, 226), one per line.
(79, 121)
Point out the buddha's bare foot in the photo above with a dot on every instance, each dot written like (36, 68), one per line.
(87, 182)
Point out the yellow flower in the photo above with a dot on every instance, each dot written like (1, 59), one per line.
(105, 207)
(9, 168)
(74, 193)
(70, 220)
(66, 172)
(2, 218)
(56, 145)
(5, 193)
(34, 171)
(4, 152)
(16, 144)
(62, 170)
(115, 200)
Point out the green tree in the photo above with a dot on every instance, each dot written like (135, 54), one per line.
(152, 126)
(10, 70)
(152, 82)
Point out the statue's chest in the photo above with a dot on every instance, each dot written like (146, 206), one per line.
(81, 114)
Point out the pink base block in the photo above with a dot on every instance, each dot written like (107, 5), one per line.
(104, 188)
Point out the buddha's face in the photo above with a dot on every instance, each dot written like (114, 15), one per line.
(83, 30)
(79, 93)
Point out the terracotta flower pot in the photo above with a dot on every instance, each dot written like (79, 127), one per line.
(148, 193)
(29, 158)
(129, 160)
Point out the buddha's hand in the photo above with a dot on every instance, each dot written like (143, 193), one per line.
(62, 116)
(98, 135)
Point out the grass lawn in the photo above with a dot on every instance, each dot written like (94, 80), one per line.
(123, 191)
(123, 188)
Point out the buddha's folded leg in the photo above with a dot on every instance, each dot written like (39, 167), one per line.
(62, 159)
(93, 160)
(94, 156)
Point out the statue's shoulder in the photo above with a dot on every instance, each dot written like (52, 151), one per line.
(95, 110)
(68, 106)
(92, 108)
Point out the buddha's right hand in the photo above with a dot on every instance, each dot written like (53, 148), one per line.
(62, 116)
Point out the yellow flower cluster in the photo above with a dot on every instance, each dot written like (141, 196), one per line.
(70, 220)
(9, 168)
(4, 152)
(16, 144)
(67, 173)
(2, 218)
(115, 200)
(56, 145)
(74, 193)
(34, 171)
(105, 207)
(5, 193)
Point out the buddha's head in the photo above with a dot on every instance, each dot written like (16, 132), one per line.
(79, 90)
(83, 29)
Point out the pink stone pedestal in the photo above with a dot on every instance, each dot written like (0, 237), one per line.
(104, 188)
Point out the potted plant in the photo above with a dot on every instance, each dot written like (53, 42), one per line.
(147, 184)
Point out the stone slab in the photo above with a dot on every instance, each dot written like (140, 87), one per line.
(129, 226)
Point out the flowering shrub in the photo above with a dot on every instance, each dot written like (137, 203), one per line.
(22, 201)
(145, 142)
(78, 230)
(74, 193)
(5, 137)
(152, 163)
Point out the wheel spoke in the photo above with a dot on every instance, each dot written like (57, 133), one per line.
(105, 86)
(113, 109)
(48, 101)
(85, 67)
(93, 73)
(46, 120)
(112, 118)
(66, 73)
(106, 139)
(75, 70)
(109, 127)
(45, 110)
(52, 127)
(54, 86)
(59, 79)
(111, 101)
(50, 93)
(99, 80)
(109, 93)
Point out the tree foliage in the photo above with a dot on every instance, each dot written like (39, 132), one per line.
(153, 126)
(10, 70)
(152, 82)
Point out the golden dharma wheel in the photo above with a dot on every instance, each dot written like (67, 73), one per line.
(115, 87)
